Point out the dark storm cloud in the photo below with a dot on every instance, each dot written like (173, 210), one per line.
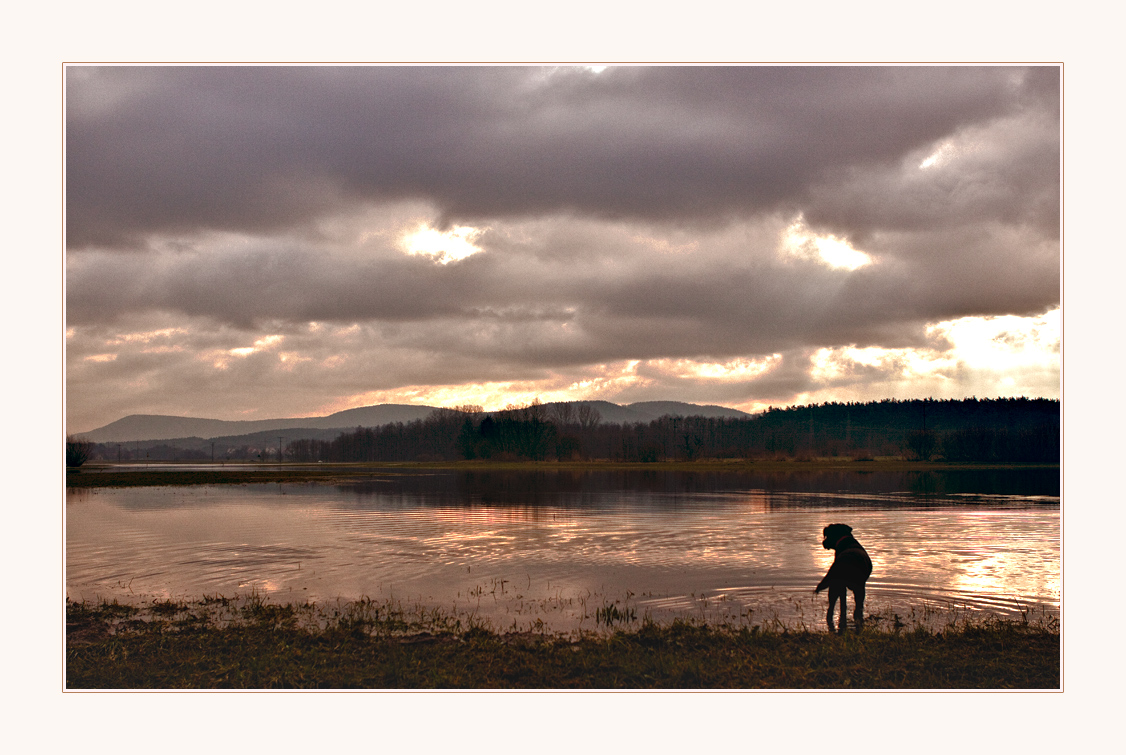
(181, 149)
(236, 235)
(1007, 170)
(510, 307)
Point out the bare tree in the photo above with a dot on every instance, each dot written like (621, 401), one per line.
(77, 451)
(588, 416)
(537, 411)
(563, 414)
(534, 411)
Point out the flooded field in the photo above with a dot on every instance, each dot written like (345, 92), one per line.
(556, 550)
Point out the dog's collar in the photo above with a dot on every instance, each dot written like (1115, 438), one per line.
(841, 540)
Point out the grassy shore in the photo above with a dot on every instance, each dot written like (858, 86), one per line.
(218, 643)
(97, 476)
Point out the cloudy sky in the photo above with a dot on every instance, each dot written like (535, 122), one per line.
(254, 242)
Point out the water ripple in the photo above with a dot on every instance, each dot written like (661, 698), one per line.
(727, 554)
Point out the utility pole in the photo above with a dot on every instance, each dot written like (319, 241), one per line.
(280, 458)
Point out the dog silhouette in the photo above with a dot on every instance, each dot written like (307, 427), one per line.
(850, 570)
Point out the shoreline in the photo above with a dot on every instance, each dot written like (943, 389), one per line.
(221, 643)
(94, 475)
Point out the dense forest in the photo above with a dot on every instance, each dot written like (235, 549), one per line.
(969, 430)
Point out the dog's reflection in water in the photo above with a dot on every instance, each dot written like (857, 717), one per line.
(850, 570)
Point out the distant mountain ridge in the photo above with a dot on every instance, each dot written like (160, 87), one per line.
(162, 427)
(149, 427)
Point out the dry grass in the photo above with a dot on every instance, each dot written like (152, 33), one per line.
(219, 643)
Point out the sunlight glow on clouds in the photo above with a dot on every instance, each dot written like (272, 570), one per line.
(290, 359)
(972, 355)
(736, 369)
(261, 344)
(831, 364)
(1003, 343)
(963, 145)
(220, 359)
(491, 396)
(599, 382)
(147, 336)
(983, 354)
(664, 245)
(603, 382)
(940, 155)
(799, 241)
(443, 247)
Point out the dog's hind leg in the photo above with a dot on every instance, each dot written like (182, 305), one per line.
(858, 613)
(835, 592)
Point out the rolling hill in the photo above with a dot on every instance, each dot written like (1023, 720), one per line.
(152, 427)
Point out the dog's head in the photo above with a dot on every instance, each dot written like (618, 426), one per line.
(833, 534)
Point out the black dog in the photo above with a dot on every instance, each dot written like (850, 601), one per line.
(850, 570)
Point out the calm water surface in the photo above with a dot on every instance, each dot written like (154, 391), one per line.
(518, 549)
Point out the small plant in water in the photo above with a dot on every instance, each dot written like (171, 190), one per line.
(167, 607)
(610, 613)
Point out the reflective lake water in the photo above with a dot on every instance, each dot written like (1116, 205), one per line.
(524, 550)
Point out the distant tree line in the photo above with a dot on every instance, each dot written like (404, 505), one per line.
(969, 430)
(150, 451)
